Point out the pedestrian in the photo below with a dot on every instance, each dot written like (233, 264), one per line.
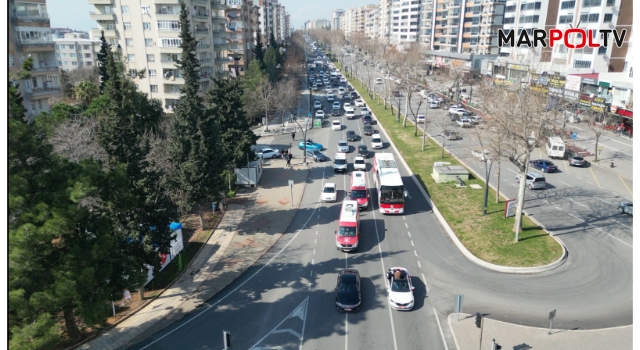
(288, 161)
(293, 136)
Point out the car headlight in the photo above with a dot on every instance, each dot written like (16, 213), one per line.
(355, 245)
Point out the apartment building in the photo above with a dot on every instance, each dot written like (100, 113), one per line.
(148, 35)
(353, 20)
(372, 23)
(335, 19)
(60, 32)
(30, 35)
(76, 50)
(385, 20)
(405, 22)
(318, 24)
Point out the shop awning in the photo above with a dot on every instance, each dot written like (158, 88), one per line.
(604, 84)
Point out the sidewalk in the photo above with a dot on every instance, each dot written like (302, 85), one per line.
(250, 226)
(467, 336)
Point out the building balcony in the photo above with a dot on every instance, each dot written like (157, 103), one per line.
(223, 74)
(468, 14)
(43, 92)
(467, 35)
(97, 16)
(169, 15)
(439, 18)
(168, 64)
(167, 2)
(222, 60)
(202, 31)
(170, 49)
(200, 14)
(36, 45)
(466, 45)
(218, 30)
(29, 16)
(487, 24)
(231, 7)
(203, 46)
(203, 2)
(108, 33)
(173, 80)
(488, 14)
(216, 17)
(220, 46)
(218, 4)
(100, 2)
(44, 67)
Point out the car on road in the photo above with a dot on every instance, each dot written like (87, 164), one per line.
(336, 125)
(336, 104)
(335, 83)
(420, 119)
(310, 145)
(457, 111)
(269, 153)
(434, 104)
(316, 155)
(367, 119)
(451, 135)
(352, 136)
(365, 111)
(340, 162)
(354, 95)
(578, 161)
(625, 208)
(336, 112)
(368, 130)
(329, 91)
(400, 289)
(350, 114)
(329, 192)
(343, 80)
(378, 80)
(317, 104)
(359, 164)
(348, 107)
(376, 141)
(343, 146)
(359, 102)
(544, 165)
(348, 293)
(363, 151)
(475, 119)
(320, 114)
(330, 98)
(341, 90)
(534, 181)
(464, 123)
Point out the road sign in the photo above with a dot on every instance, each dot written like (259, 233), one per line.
(458, 304)
(552, 315)
(291, 187)
(510, 208)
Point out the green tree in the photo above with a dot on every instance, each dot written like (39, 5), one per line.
(258, 50)
(276, 47)
(15, 99)
(227, 109)
(87, 91)
(67, 88)
(270, 62)
(105, 49)
(194, 147)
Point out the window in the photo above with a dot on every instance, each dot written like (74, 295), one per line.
(148, 42)
(170, 42)
(87, 55)
(631, 72)
(565, 5)
(146, 25)
(607, 18)
(128, 41)
(151, 58)
(133, 73)
(62, 46)
(125, 9)
(127, 25)
(11, 61)
(602, 50)
(152, 72)
(173, 26)
(565, 19)
(581, 64)
(611, 2)
(86, 47)
(64, 55)
(58, 54)
(509, 20)
(591, 3)
(74, 63)
(72, 47)
(144, 9)
(131, 57)
(89, 63)
(531, 6)
(59, 63)
(73, 54)
(153, 88)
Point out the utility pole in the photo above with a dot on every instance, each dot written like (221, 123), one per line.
(487, 171)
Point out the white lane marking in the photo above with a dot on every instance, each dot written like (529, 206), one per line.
(603, 231)
(578, 203)
(315, 241)
(425, 282)
(440, 327)
(557, 207)
(419, 265)
(415, 253)
(313, 261)
(565, 183)
(409, 233)
(406, 225)
(404, 218)
(311, 273)
(314, 251)
(622, 224)
(513, 171)
(316, 232)
(412, 244)
(614, 193)
(346, 330)
(578, 177)
(243, 283)
(602, 200)
(589, 182)
(309, 286)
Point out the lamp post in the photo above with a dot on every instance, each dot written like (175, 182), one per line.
(487, 171)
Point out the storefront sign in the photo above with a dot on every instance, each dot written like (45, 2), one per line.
(597, 104)
(572, 96)
(557, 81)
(590, 81)
(539, 88)
(624, 112)
(573, 83)
(585, 100)
(498, 81)
(557, 92)
(517, 67)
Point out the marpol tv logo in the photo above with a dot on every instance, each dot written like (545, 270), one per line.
(584, 37)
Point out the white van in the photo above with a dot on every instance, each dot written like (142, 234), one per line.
(555, 147)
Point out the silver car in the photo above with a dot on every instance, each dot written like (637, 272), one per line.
(343, 146)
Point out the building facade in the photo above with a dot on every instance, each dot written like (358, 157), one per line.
(335, 19)
(30, 36)
(76, 50)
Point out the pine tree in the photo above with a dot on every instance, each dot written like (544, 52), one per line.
(270, 62)
(15, 99)
(258, 50)
(105, 49)
(194, 147)
(67, 88)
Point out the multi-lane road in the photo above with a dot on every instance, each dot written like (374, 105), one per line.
(287, 299)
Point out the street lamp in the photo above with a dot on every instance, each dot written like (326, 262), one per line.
(487, 172)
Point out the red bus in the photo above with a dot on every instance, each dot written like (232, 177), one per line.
(391, 192)
(348, 233)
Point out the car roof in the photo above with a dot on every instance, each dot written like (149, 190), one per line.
(349, 275)
(359, 158)
(362, 146)
(342, 141)
(329, 184)
(350, 132)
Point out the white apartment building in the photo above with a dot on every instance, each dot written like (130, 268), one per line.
(385, 20)
(30, 36)
(372, 23)
(353, 20)
(148, 35)
(75, 51)
(335, 19)
(521, 15)
(405, 22)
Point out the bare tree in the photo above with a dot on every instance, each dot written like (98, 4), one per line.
(264, 99)
(520, 116)
(597, 124)
(288, 94)
(75, 139)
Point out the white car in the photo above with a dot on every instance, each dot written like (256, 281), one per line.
(465, 123)
(420, 118)
(359, 103)
(330, 98)
(268, 153)
(317, 105)
(320, 114)
(378, 81)
(350, 114)
(343, 80)
(343, 146)
(336, 125)
(329, 192)
(376, 141)
(400, 289)
(365, 111)
(348, 107)
(329, 91)
(336, 104)
(341, 90)
(359, 164)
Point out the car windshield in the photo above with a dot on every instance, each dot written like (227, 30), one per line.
(342, 143)
(358, 194)
(359, 161)
(340, 161)
(391, 194)
(347, 231)
(329, 189)
(549, 163)
(347, 288)
(362, 148)
(578, 158)
(400, 286)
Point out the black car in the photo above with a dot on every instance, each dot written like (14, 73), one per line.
(363, 151)
(335, 111)
(354, 95)
(367, 120)
(348, 293)
(316, 155)
(335, 83)
(368, 130)
(351, 135)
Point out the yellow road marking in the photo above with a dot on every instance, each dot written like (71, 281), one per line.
(594, 176)
(566, 166)
(540, 152)
(625, 184)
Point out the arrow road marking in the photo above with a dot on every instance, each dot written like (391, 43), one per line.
(300, 312)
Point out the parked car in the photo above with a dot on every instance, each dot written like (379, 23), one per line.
(482, 155)
(316, 155)
(476, 119)
(310, 145)
(464, 123)
(544, 165)
(457, 111)
(352, 136)
(363, 151)
(329, 192)
(625, 208)
(451, 135)
(368, 130)
(269, 153)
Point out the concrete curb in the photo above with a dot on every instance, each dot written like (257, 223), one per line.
(453, 333)
(456, 241)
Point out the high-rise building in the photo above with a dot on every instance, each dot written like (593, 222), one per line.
(372, 23)
(148, 36)
(30, 35)
(335, 19)
(405, 22)
(353, 20)
(76, 50)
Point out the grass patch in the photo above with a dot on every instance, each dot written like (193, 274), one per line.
(489, 237)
